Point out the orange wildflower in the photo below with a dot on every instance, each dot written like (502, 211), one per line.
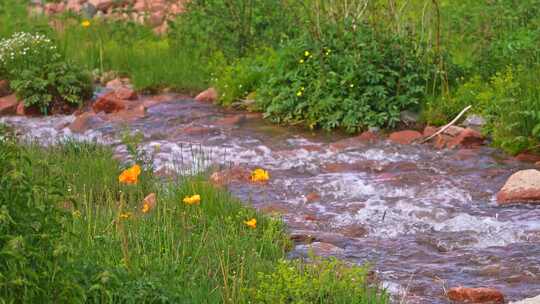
(252, 223)
(130, 176)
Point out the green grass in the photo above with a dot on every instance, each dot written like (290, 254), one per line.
(64, 239)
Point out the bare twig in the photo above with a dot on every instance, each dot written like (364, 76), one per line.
(447, 126)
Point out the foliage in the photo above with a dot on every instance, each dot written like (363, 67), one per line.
(233, 27)
(72, 234)
(347, 79)
(38, 73)
(322, 281)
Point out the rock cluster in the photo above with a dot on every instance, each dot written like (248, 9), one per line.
(152, 12)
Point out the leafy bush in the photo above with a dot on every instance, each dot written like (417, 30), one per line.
(323, 281)
(38, 73)
(243, 77)
(352, 79)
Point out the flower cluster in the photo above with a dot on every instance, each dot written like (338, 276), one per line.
(192, 200)
(259, 175)
(26, 49)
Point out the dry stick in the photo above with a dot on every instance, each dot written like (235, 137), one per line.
(447, 126)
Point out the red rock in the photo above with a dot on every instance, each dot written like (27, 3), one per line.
(521, 187)
(468, 138)
(54, 8)
(430, 130)
(114, 84)
(156, 18)
(354, 231)
(108, 103)
(453, 131)
(210, 95)
(231, 120)
(227, 176)
(8, 105)
(22, 110)
(312, 197)
(125, 93)
(102, 5)
(405, 137)
(74, 5)
(528, 157)
(4, 88)
(476, 295)
(84, 122)
(368, 136)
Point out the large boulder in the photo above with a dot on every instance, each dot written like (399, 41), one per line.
(8, 105)
(534, 300)
(210, 95)
(84, 122)
(455, 137)
(476, 295)
(405, 137)
(102, 5)
(521, 187)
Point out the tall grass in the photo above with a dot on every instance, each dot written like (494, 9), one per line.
(97, 245)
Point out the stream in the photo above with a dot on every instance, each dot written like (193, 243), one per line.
(424, 219)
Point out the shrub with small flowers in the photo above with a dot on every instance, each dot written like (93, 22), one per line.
(38, 73)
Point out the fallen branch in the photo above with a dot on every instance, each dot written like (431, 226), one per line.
(447, 126)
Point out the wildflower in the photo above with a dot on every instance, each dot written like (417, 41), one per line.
(149, 203)
(260, 175)
(352, 86)
(126, 215)
(301, 61)
(299, 93)
(252, 223)
(85, 23)
(76, 214)
(192, 200)
(306, 53)
(130, 176)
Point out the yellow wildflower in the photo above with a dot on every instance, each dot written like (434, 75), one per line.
(352, 85)
(299, 93)
(130, 176)
(192, 200)
(149, 203)
(76, 213)
(306, 53)
(260, 175)
(126, 215)
(85, 23)
(301, 61)
(252, 223)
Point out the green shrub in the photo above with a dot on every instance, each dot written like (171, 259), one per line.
(243, 77)
(352, 79)
(322, 281)
(38, 73)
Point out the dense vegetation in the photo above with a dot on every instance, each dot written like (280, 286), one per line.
(73, 231)
(330, 64)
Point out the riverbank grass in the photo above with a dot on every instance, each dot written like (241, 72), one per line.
(73, 231)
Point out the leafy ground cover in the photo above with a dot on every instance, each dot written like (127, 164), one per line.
(77, 227)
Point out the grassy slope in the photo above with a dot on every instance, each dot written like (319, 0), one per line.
(176, 253)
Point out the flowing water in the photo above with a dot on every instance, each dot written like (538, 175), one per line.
(424, 219)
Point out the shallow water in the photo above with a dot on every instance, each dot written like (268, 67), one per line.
(425, 219)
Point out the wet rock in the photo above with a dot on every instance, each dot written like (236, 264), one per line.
(4, 88)
(322, 249)
(108, 103)
(467, 138)
(227, 176)
(528, 157)
(84, 122)
(521, 187)
(405, 137)
(354, 231)
(430, 130)
(128, 115)
(534, 300)
(231, 120)
(125, 93)
(22, 110)
(312, 197)
(354, 142)
(274, 208)
(210, 95)
(368, 136)
(8, 105)
(116, 82)
(476, 295)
